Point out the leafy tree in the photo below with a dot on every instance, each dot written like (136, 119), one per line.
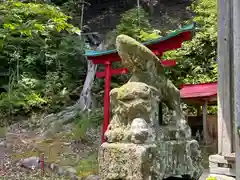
(134, 23)
(197, 58)
(41, 53)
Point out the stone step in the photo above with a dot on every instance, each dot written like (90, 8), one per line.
(225, 165)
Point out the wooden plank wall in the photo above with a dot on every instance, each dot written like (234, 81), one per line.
(196, 123)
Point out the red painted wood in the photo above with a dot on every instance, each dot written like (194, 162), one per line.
(158, 49)
(113, 72)
(108, 59)
(119, 71)
(196, 91)
(41, 159)
(169, 63)
(106, 98)
(170, 44)
(157, 52)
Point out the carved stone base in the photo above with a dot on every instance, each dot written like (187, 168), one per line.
(149, 162)
(179, 158)
(224, 165)
(126, 161)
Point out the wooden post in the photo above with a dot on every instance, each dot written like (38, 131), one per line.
(198, 110)
(205, 130)
(225, 110)
(236, 62)
(42, 163)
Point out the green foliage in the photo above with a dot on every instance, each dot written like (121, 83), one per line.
(145, 36)
(42, 53)
(88, 166)
(3, 131)
(197, 58)
(134, 23)
(85, 121)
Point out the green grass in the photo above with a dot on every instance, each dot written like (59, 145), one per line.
(3, 131)
(88, 166)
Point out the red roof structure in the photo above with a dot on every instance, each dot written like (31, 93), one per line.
(198, 93)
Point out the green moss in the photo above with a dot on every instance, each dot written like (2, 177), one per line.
(18, 156)
(121, 92)
(48, 141)
(2, 132)
(211, 178)
(88, 166)
(53, 150)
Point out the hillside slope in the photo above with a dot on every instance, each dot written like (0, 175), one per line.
(103, 15)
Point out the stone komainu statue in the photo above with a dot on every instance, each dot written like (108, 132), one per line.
(137, 147)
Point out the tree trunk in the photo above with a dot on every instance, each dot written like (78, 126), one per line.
(85, 100)
(53, 122)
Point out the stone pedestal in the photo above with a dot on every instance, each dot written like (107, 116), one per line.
(178, 158)
(126, 161)
(224, 165)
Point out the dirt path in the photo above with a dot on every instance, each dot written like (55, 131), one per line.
(61, 149)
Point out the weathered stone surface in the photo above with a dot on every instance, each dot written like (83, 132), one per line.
(146, 67)
(93, 177)
(138, 147)
(131, 108)
(30, 163)
(178, 158)
(220, 164)
(139, 129)
(126, 161)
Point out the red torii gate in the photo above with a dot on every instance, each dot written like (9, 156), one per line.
(158, 46)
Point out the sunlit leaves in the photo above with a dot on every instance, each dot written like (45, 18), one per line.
(134, 23)
(42, 52)
(33, 17)
(145, 36)
(197, 58)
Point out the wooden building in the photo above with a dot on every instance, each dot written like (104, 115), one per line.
(201, 96)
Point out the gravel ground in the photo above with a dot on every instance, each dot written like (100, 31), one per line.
(19, 141)
(10, 169)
